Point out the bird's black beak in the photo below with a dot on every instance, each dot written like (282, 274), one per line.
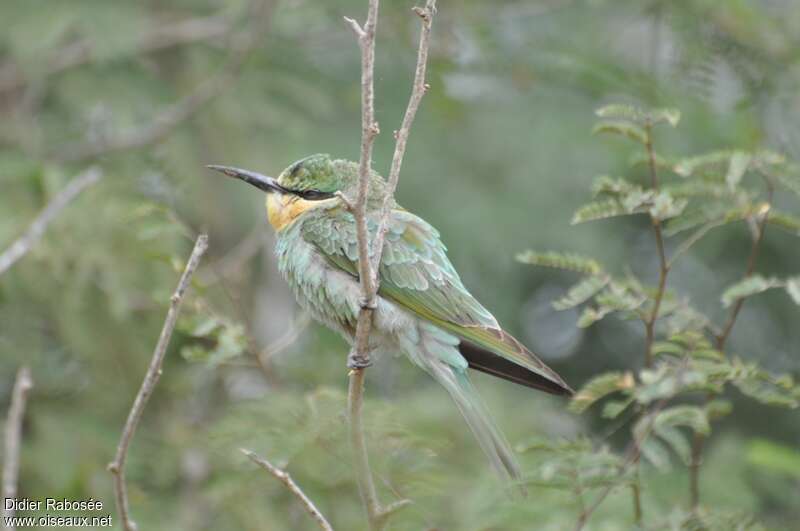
(262, 182)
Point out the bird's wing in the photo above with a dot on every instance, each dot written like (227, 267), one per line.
(416, 274)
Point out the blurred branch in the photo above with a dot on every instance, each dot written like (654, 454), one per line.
(358, 359)
(664, 265)
(286, 479)
(117, 466)
(172, 116)
(165, 36)
(699, 440)
(234, 259)
(24, 243)
(296, 328)
(650, 321)
(632, 456)
(13, 438)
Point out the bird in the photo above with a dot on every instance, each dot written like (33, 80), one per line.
(423, 308)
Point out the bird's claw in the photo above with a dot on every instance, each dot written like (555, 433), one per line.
(356, 362)
(367, 304)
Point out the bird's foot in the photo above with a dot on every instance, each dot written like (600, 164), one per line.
(357, 362)
(367, 304)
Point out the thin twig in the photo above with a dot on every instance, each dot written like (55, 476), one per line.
(664, 265)
(650, 322)
(172, 116)
(418, 90)
(34, 232)
(359, 357)
(117, 466)
(13, 439)
(632, 454)
(287, 480)
(160, 38)
(699, 440)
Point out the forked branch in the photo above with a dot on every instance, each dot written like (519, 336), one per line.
(359, 357)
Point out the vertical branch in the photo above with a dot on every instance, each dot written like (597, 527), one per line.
(117, 466)
(359, 357)
(418, 90)
(650, 321)
(698, 441)
(664, 265)
(13, 438)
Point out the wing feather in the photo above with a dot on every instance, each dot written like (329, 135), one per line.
(416, 274)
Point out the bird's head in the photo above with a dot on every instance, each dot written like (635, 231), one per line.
(309, 183)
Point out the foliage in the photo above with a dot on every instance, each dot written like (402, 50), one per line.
(499, 158)
(691, 356)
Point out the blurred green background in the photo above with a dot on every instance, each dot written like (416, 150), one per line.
(499, 157)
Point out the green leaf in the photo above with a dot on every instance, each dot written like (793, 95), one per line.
(592, 315)
(613, 408)
(793, 288)
(599, 210)
(692, 417)
(784, 221)
(676, 440)
(739, 162)
(702, 164)
(668, 115)
(697, 188)
(603, 184)
(599, 387)
(718, 408)
(616, 111)
(716, 214)
(556, 260)
(749, 286)
(764, 387)
(581, 292)
(655, 453)
(665, 206)
(632, 131)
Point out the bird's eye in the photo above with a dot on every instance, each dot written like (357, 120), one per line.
(312, 195)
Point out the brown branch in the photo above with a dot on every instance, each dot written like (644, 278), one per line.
(699, 441)
(34, 232)
(286, 479)
(418, 90)
(664, 265)
(172, 116)
(650, 321)
(632, 456)
(117, 466)
(164, 36)
(13, 438)
(359, 357)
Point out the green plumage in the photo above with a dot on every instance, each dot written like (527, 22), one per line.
(423, 309)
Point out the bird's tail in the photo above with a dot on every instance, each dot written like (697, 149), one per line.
(469, 403)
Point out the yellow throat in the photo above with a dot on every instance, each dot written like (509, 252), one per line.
(282, 209)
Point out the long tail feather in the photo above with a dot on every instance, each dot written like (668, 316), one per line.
(469, 403)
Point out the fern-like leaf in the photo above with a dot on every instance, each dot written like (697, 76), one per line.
(566, 261)
(752, 285)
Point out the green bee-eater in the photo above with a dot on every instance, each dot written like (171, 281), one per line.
(423, 308)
